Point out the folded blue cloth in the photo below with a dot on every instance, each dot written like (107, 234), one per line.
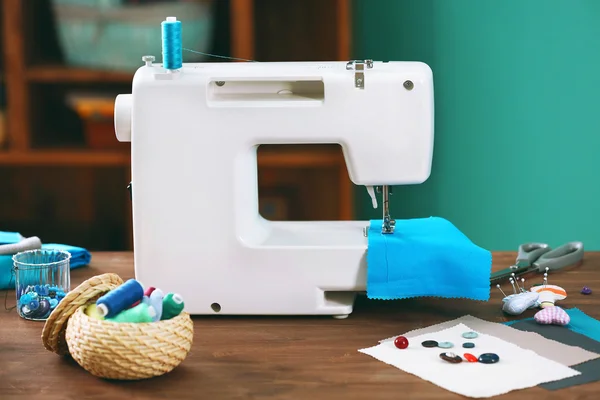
(6, 275)
(425, 257)
(10, 237)
(580, 323)
(79, 258)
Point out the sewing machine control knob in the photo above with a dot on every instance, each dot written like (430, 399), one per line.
(123, 108)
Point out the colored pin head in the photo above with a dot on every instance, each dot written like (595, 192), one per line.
(502, 291)
(516, 280)
(512, 282)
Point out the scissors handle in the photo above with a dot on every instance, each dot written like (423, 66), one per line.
(529, 253)
(566, 255)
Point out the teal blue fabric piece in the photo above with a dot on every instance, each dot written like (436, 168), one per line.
(426, 257)
(10, 237)
(6, 273)
(584, 324)
(79, 258)
(580, 323)
(516, 320)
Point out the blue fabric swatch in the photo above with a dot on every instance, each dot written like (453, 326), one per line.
(6, 275)
(426, 257)
(79, 258)
(580, 323)
(10, 237)
(79, 255)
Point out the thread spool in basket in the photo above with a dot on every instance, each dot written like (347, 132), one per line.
(120, 298)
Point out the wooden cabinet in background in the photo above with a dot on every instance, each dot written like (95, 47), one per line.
(56, 186)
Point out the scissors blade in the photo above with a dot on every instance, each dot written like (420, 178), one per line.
(527, 255)
(506, 273)
(539, 256)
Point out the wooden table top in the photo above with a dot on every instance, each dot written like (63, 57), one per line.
(274, 357)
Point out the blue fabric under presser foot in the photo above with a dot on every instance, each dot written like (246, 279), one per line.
(426, 257)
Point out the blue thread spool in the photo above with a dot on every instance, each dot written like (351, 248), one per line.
(171, 44)
(120, 298)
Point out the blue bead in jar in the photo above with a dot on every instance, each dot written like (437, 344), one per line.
(42, 280)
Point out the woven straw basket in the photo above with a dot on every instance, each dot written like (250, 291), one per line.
(113, 350)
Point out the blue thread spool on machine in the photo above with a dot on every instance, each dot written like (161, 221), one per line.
(42, 280)
(171, 44)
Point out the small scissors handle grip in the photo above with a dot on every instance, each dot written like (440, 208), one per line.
(529, 253)
(566, 255)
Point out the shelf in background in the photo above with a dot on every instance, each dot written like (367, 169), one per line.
(300, 156)
(280, 158)
(64, 158)
(62, 74)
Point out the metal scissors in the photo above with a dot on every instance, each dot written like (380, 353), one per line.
(539, 256)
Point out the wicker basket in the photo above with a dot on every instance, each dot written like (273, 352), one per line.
(112, 350)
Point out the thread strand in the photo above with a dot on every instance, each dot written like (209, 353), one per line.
(217, 56)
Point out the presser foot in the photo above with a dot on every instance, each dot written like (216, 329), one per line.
(388, 227)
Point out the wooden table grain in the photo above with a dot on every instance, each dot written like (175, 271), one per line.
(274, 357)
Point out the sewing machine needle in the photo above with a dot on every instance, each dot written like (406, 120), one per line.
(388, 223)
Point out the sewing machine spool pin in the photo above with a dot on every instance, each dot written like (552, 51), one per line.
(148, 60)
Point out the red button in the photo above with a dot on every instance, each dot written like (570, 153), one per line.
(470, 357)
(401, 342)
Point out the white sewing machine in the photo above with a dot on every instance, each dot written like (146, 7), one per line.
(194, 133)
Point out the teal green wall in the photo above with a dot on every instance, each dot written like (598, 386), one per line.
(517, 137)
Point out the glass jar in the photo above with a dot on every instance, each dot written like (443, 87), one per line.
(42, 280)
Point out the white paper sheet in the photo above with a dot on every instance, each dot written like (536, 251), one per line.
(517, 369)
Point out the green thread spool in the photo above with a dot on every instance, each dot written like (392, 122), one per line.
(172, 306)
(139, 314)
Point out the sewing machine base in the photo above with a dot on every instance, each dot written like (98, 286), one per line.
(300, 268)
